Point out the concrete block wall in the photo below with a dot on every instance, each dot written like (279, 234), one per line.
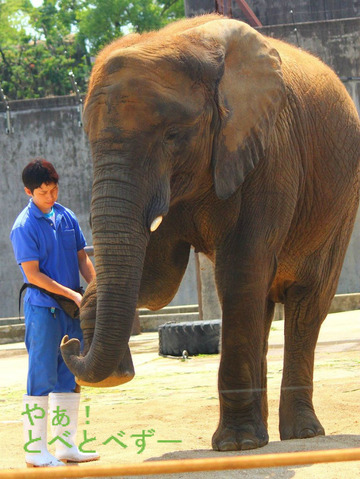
(277, 12)
(335, 42)
(47, 128)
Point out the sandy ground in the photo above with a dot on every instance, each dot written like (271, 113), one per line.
(176, 400)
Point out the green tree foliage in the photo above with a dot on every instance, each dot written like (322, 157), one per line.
(105, 20)
(13, 17)
(39, 46)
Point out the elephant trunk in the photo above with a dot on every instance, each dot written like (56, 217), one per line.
(120, 239)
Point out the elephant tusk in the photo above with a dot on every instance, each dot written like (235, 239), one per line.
(156, 223)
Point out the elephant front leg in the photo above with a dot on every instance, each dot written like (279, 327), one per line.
(241, 425)
(242, 387)
(246, 265)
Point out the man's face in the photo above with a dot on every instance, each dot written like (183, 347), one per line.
(45, 196)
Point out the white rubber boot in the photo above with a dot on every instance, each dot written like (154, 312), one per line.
(64, 410)
(35, 416)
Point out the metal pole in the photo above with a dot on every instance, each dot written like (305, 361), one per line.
(325, 9)
(78, 96)
(9, 129)
(250, 15)
(295, 29)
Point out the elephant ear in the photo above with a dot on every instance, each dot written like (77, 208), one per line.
(251, 93)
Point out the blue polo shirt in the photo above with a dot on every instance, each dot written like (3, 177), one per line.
(55, 245)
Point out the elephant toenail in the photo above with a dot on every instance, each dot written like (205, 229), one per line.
(227, 446)
(248, 444)
(307, 433)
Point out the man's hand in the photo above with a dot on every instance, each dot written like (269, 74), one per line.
(77, 298)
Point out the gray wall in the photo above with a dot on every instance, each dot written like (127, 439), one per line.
(336, 42)
(49, 128)
(276, 12)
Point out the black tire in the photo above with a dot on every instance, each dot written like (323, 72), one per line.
(190, 338)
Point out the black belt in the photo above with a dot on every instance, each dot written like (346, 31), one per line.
(68, 305)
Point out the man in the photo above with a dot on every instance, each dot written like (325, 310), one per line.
(49, 248)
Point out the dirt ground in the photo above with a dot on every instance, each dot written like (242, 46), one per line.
(176, 400)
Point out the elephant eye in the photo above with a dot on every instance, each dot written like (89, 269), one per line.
(171, 135)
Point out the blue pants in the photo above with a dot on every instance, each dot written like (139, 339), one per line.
(44, 331)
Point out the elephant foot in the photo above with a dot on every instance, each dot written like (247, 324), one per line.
(302, 426)
(231, 439)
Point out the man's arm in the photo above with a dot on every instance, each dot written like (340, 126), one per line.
(34, 276)
(85, 266)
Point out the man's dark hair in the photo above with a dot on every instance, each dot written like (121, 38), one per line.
(37, 172)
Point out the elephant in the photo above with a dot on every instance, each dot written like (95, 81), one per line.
(208, 134)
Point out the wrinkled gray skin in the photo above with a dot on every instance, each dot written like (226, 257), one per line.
(249, 148)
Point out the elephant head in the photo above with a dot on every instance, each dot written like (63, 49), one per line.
(168, 114)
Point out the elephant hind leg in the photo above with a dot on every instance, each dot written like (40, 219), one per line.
(306, 306)
(303, 318)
